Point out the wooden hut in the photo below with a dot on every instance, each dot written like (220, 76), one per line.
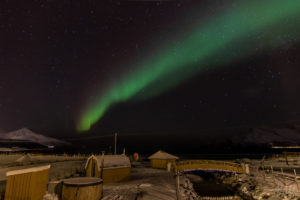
(161, 159)
(30, 183)
(116, 168)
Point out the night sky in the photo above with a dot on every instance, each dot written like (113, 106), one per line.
(62, 60)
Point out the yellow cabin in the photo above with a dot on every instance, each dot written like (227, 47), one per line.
(116, 168)
(161, 159)
(27, 184)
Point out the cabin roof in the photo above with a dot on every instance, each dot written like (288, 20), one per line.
(162, 155)
(112, 161)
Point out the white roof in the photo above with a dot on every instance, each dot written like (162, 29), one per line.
(162, 155)
(112, 161)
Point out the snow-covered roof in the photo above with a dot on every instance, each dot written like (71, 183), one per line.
(112, 161)
(162, 155)
(27, 170)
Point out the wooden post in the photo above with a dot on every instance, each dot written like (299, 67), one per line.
(296, 179)
(282, 176)
(286, 158)
(263, 160)
(101, 169)
(102, 165)
(271, 169)
(116, 135)
(264, 172)
(178, 186)
(177, 183)
(262, 164)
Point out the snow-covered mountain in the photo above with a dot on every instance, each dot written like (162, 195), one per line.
(274, 136)
(28, 135)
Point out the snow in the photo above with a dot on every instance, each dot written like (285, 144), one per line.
(113, 161)
(157, 184)
(145, 184)
(187, 191)
(285, 136)
(265, 184)
(162, 155)
(50, 197)
(28, 135)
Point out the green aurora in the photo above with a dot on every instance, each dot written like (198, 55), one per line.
(239, 31)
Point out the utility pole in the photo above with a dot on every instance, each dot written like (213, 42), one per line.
(116, 137)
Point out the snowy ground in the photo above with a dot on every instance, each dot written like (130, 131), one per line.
(158, 184)
(263, 183)
(145, 184)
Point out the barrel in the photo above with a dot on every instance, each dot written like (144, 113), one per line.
(82, 188)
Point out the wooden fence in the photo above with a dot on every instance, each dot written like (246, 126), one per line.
(284, 182)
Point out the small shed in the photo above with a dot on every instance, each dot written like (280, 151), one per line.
(30, 183)
(161, 159)
(116, 168)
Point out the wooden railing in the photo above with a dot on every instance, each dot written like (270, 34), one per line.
(190, 165)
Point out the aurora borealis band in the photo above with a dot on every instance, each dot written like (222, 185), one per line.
(240, 30)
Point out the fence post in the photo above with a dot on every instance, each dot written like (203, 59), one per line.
(283, 177)
(296, 179)
(264, 172)
(286, 158)
(272, 169)
(102, 165)
(178, 186)
(177, 183)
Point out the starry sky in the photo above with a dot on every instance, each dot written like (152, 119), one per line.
(58, 59)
